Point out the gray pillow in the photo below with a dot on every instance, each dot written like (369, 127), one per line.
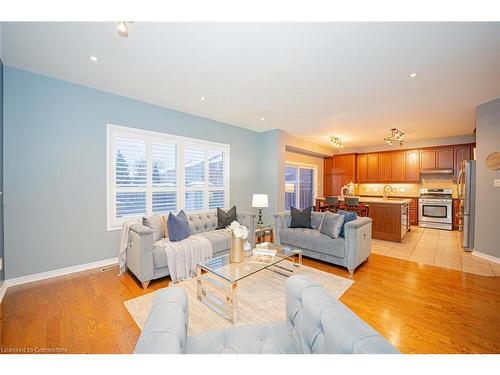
(331, 224)
(224, 218)
(156, 224)
(300, 219)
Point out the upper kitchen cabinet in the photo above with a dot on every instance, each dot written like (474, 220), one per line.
(428, 159)
(362, 166)
(339, 171)
(412, 166)
(372, 168)
(461, 153)
(436, 158)
(444, 158)
(397, 166)
(384, 167)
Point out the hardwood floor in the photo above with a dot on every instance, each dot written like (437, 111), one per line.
(419, 308)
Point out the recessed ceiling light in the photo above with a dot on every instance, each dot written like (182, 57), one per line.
(413, 75)
(262, 119)
(202, 98)
(93, 58)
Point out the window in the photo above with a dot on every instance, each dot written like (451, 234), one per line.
(149, 172)
(299, 186)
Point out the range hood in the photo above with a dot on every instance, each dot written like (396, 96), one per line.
(436, 171)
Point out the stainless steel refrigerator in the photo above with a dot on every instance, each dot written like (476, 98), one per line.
(467, 194)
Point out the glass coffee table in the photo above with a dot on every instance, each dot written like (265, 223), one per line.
(217, 279)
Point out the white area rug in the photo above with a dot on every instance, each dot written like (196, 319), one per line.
(261, 299)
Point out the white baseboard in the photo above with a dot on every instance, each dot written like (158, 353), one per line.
(60, 272)
(488, 257)
(3, 289)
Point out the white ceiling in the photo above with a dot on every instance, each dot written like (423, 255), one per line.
(312, 80)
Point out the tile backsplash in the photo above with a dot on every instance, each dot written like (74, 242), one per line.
(406, 190)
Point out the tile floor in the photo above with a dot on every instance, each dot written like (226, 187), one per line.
(436, 247)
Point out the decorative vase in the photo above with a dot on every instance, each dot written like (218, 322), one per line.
(236, 255)
(247, 248)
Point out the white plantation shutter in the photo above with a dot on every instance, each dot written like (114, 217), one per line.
(194, 164)
(216, 179)
(131, 176)
(151, 172)
(164, 177)
(164, 164)
(194, 167)
(131, 168)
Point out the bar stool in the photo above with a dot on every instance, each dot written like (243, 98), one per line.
(332, 204)
(352, 204)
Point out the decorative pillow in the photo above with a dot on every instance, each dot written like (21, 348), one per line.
(156, 224)
(300, 219)
(178, 226)
(348, 216)
(331, 224)
(225, 218)
(165, 226)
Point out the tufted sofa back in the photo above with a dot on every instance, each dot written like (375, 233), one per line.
(202, 221)
(322, 324)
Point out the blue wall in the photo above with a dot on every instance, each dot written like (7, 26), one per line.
(55, 167)
(2, 271)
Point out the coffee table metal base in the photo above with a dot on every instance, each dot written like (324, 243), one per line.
(221, 295)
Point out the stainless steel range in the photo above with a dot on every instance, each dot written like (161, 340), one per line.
(435, 208)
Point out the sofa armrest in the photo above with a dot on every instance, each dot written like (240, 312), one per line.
(140, 252)
(248, 219)
(358, 241)
(165, 330)
(279, 224)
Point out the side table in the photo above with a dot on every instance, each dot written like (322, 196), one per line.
(264, 234)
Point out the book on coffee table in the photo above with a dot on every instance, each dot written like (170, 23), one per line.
(263, 256)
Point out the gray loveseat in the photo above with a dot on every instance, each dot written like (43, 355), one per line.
(316, 323)
(147, 260)
(349, 252)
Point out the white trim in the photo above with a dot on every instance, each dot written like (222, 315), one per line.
(113, 131)
(60, 272)
(488, 257)
(314, 167)
(3, 290)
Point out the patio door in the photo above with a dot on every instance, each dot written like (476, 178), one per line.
(299, 186)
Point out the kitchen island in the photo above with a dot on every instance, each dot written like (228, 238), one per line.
(391, 216)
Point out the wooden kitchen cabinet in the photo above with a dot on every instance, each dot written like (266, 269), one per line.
(414, 211)
(372, 168)
(461, 153)
(361, 161)
(428, 159)
(398, 166)
(384, 167)
(444, 158)
(339, 171)
(412, 166)
(328, 179)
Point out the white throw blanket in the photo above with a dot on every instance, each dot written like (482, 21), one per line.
(182, 256)
(123, 244)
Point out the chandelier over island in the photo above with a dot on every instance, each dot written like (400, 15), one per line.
(336, 142)
(395, 137)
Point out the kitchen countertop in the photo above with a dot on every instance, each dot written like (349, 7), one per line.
(389, 200)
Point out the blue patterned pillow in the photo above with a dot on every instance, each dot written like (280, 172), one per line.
(178, 226)
(348, 216)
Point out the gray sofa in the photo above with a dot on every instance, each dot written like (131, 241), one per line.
(316, 323)
(148, 261)
(349, 252)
